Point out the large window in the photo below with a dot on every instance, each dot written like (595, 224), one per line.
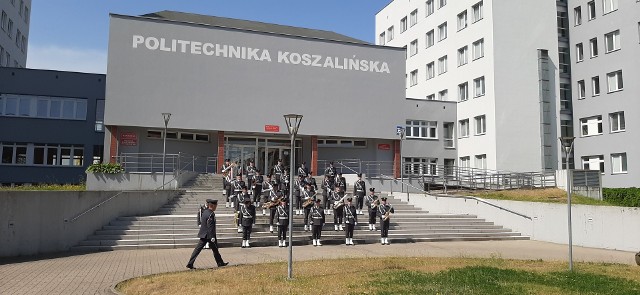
(591, 9)
(465, 162)
(481, 161)
(42, 154)
(593, 163)
(609, 6)
(591, 126)
(448, 134)
(413, 18)
(413, 77)
(184, 136)
(442, 31)
(563, 24)
(14, 153)
(429, 8)
(344, 142)
(617, 122)
(462, 56)
(564, 60)
(481, 125)
(43, 107)
(429, 39)
(478, 87)
(614, 81)
(477, 12)
(595, 86)
(422, 129)
(565, 97)
(413, 47)
(463, 91)
(462, 20)
(442, 65)
(612, 41)
(431, 71)
(420, 166)
(619, 163)
(463, 126)
(478, 49)
(403, 25)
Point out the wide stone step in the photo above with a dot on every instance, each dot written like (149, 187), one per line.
(191, 217)
(265, 219)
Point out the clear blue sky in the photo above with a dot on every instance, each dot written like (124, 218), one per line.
(73, 34)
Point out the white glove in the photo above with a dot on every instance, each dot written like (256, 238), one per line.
(213, 240)
(355, 223)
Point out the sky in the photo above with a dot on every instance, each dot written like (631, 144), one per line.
(72, 35)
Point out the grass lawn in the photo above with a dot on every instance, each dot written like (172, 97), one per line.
(547, 195)
(45, 187)
(397, 276)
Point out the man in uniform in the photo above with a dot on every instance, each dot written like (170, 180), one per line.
(330, 171)
(298, 187)
(257, 188)
(359, 189)
(336, 198)
(207, 235)
(237, 185)
(327, 189)
(302, 170)
(317, 222)
(341, 182)
(284, 182)
(278, 170)
(227, 177)
(267, 192)
(312, 181)
(283, 222)
(240, 198)
(247, 218)
(384, 209)
(251, 173)
(351, 220)
(372, 207)
(309, 197)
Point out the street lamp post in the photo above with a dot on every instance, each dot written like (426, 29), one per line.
(567, 147)
(401, 132)
(293, 123)
(166, 117)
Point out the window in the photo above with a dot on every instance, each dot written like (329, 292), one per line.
(463, 126)
(477, 12)
(18, 38)
(577, 16)
(591, 126)
(579, 52)
(565, 97)
(595, 85)
(403, 25)
(609, 6)
(481, 161)
(3, 20)
(413, 47)
(463, 91)
(593, 46)
(612, 41)
(566, 128)
(431, 72)
(414, 77)
(563, 24)
(449, 166)
(616, 121)
(44, 107)
(26, 14)
(422, 129)
(564, 60)
(581, 90)
(442, 65)
(614, 81)
(381, 39)
(462, 20)
(481, 125)
(478, 49)
(462, 56)
(406, 52)
(465, 162)
(448, 130)
(429, 9)
(13, 153)
(348, 143)
(10, 29)
(413, 18)
(442, 31)
(591, 9)
(478, 87)
(42, 154)
(1, 60)
(23, 43)
(593, 163)
(431, 97)
(390, 33)
(420, 166)
(429, 39)
(443, 95)
(441, 3)
(99, 127)
(619, 163)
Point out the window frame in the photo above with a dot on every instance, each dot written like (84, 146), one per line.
(475, 45)
(476, 17)
(619, 81)
(481, 125)
(619, 124)
(624, 164)
(475, 87)
(589, 122)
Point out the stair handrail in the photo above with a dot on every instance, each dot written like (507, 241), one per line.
(460, 197)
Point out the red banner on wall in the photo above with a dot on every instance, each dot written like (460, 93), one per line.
(128, 139)
(384, 146)
(271, 128)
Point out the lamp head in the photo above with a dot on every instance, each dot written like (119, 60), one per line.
(293, 123)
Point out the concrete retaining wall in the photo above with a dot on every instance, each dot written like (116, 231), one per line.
(136, 181)
(33, 222)
(593, 226)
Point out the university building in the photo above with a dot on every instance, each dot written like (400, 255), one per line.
(14, 32)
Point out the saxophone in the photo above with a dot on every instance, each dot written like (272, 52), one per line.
(338, 204)
(271, 204)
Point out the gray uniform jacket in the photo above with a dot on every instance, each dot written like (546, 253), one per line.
(207, 225)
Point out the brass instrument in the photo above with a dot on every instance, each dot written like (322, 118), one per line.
(387, 216)
(340, 203)
(271, 204)
(375, 204)
(307, 203)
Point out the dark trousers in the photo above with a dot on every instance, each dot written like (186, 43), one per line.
(307, 211)
(257, 191)
(337, 215)
(372, 217)
(360, 199)
(298, 202)
(249, 180)
(272, 215)
(349, 231)
(316, 232)
(227, 192)
(246, 232)
(282, 229)
(325, 202)
(384, 232)
(200, 246)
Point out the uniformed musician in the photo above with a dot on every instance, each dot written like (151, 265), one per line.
(243, 195)
(278, 170)
(298, 187)
(247, 218)
(284, 182)
(359, 190)
(237, 185)
(283, 222)
(341, 182)
(309, 198)
(268, 189)
(302, 170)
(384, 209)
(227, 177)
(311, 181)
(257, 188)
(372, 208)
(316, 219)
(350, 220)
(336, 198)
(251, 173)
(327, 188)
(330, 171)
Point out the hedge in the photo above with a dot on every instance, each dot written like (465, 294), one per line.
(627, 197)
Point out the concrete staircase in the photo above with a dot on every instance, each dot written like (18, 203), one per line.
(174, 226)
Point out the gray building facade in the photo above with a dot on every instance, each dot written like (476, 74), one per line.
(51, 125)
(15, 19)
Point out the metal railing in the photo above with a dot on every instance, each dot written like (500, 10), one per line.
(369, 168)
(152, 163)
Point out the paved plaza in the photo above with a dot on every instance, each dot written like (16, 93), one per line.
(96, 273)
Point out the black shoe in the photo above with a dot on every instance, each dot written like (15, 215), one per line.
(223, 264)
(190, 266)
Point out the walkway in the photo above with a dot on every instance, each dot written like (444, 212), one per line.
(95, 273)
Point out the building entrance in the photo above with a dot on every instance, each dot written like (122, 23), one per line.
(265, 152)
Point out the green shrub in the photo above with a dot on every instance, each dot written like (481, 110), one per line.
(628, 197)
(106, 168)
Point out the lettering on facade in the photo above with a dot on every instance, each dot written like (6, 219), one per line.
(258, 54)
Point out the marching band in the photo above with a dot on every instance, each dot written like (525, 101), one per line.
(270, 192)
